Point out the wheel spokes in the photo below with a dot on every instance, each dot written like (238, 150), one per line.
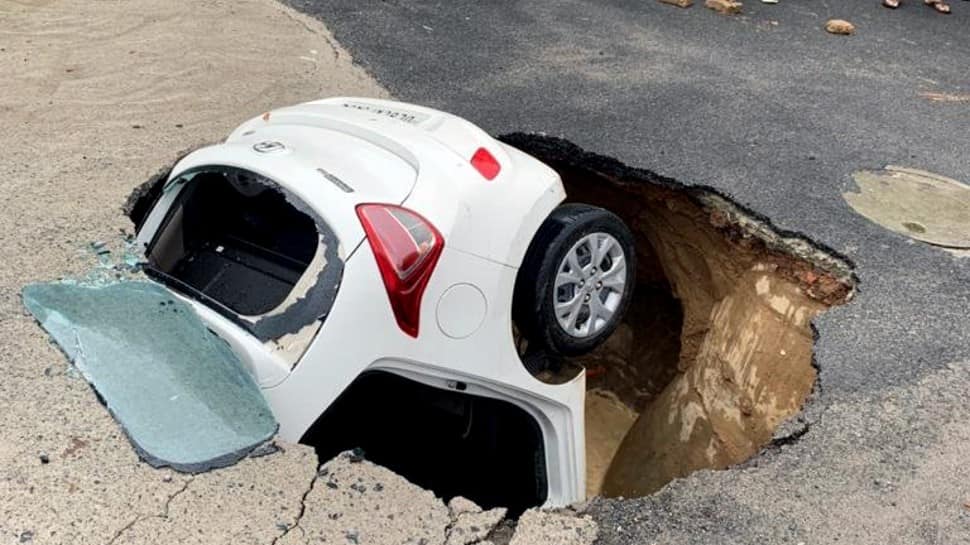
(597, 310)
(568, 311)
(615, 278)
(567, 279)
(589, 284)
(573, 260)
(602, 250)
(590, 324)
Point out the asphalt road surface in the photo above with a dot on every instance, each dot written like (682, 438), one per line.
(772, 110)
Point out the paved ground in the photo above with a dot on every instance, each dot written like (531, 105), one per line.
(94, 98)
(775, 112)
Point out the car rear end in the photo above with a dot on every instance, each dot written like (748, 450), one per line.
(404, 230)
(255, 233)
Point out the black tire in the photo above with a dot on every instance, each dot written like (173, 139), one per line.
(533, 305)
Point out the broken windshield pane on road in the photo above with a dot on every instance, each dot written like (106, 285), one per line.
(181, 395)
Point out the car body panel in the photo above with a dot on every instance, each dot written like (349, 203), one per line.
(487, 360)
(490, 218)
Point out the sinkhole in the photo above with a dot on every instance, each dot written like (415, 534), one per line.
(716, 349)
(714, 354)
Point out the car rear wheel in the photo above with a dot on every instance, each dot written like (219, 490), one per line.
(576, 281)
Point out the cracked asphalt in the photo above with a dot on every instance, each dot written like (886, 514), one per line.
(770, 109)
(97, 96)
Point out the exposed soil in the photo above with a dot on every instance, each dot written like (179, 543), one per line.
(608, 420)
(716, 351)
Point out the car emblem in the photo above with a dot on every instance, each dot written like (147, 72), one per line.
(269, 147)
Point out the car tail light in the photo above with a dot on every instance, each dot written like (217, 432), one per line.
(486, 164)
(407, 248)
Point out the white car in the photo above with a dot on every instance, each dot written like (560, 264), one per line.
(366, 260)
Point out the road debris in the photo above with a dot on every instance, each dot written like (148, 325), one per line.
(472, 527)
(182, 396)
(944, 97)
(460, 505)
(840, 27)
(939, 5)
(554, 528)
(725, 7)
(679, 3)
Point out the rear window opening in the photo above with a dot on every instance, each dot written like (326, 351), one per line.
(234, 239)
(452, 443)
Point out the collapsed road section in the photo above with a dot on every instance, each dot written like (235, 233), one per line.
(714, 355)
(716, 351)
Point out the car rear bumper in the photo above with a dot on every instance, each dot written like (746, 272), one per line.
(361, 335)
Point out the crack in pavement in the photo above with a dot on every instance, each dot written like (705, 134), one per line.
(162, 515)
(299, 515)
(125, 528)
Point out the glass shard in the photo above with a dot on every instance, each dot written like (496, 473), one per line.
(179, 392)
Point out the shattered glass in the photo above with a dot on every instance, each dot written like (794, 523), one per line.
(179, 392)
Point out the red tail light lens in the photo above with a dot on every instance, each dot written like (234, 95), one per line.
(486, 164)
(407, 247)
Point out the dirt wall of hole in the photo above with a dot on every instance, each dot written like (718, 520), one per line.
(747, 295)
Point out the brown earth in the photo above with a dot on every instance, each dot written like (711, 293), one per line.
(718, 364)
